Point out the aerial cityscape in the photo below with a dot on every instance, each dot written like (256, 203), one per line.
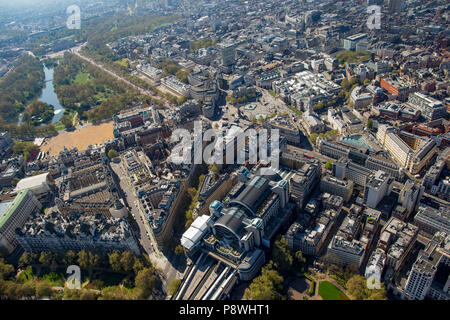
(192, 150)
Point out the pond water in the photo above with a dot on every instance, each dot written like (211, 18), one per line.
(49, 95)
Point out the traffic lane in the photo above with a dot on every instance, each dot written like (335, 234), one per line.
(131, 200)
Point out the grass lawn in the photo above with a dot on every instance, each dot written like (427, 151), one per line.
(329, 291)
(82, 78)
(352, 56)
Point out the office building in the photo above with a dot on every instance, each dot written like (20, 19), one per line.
(397, 238)
(429, 276)
(58, 233)
(41, 186)
(351, 41)
(343, 188)
(377, 187)
(432, 220)
(311, 240)
(348, 252)
(429, 107)
(410, 195)
(13, 215)
(410, 151)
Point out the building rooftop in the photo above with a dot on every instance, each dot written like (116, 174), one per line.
(5, 214)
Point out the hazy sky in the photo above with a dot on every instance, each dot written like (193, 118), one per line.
(21, 3)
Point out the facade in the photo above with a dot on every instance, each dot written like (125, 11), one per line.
(410, 151)
(432, 220)
(13, 215)
(378, 186)
(287, 128)
(396, 88)
(303, 181)
(343, 188)
(175, 86)
(429, 275)
(359, 160)
(430, 108)
(345, 169)
(348, 252)
(351, 41)
(40, 185)
(241, 224)
(397, 238)
(311, 240)
(228, 53)
(375, 265)
(6, 144)
(56, 232)
(312, 123)
(410, 196)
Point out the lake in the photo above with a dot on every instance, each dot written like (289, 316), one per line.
(49, 95)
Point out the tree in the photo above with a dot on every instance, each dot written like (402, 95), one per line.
(318, 106)
(114, 261)
(83, 259)
(27, 258)
(88, 295)
(6, 270)
(329, 164)
(214, 169)
(94, 259)
(179, 250)
(43, 289)
(267, 286)
(66, 120)
(127, 260)
(145, 282)
(112, 154)
(173, 286)
(46, 258)
(370, 124)
(300, 260)
(28, 289)
(10, 289)
(70, 258)
(282, 255)
(357, 287)
(25, 148)
(138, 266)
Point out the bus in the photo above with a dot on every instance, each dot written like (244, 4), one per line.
(309, 156)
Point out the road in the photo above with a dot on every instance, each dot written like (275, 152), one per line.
(119, 77)
(143, 238)
(146, 239)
